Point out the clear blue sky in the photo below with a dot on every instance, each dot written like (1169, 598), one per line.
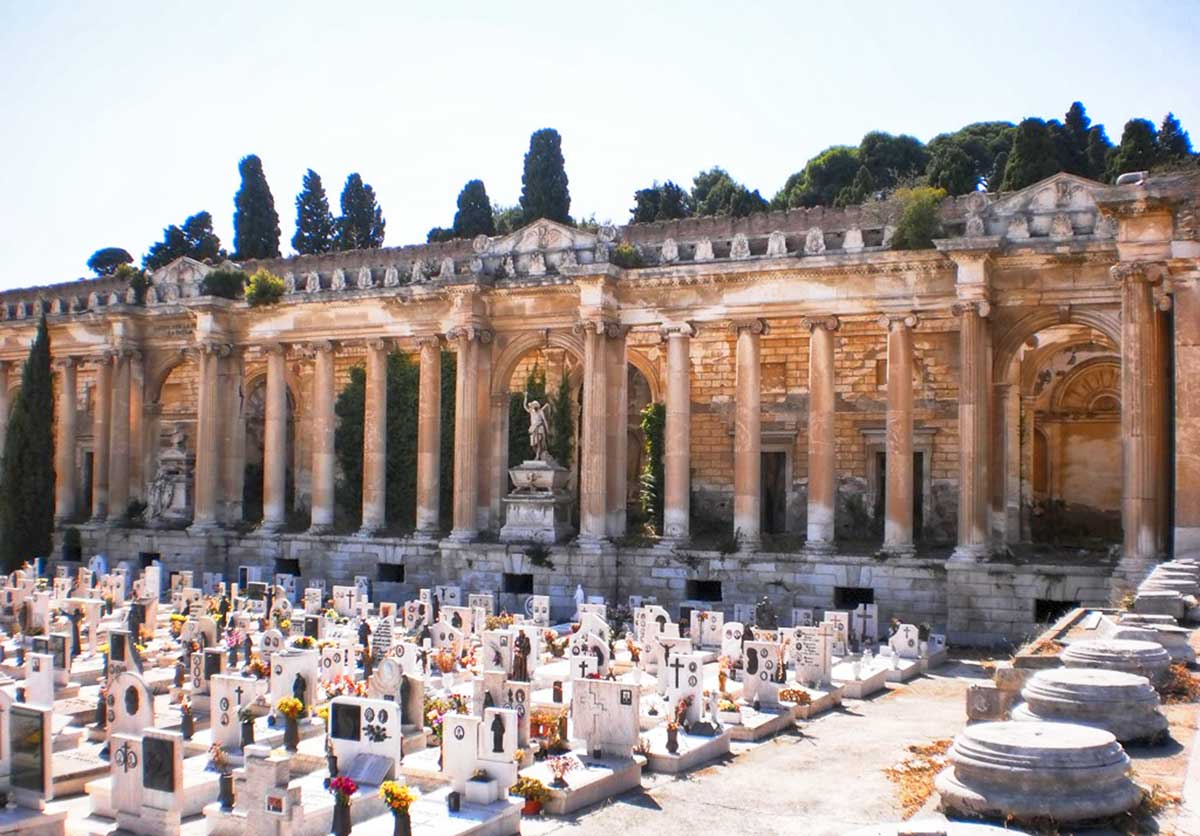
(120, 118)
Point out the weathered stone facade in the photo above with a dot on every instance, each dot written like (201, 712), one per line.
(839, 415)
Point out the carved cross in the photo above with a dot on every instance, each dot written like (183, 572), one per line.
(677, 666)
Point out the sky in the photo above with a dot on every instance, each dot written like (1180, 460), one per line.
(121, 118)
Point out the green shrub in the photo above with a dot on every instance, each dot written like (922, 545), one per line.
(137, 279)
(227, 284)
(919, 223)
(264, 288)
(626, 255)
(651, 481)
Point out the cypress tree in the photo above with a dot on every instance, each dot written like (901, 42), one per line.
(544, 192)
(1174, 144)
(314, 221)
(255, 221)
(361, 224)
(27, 489)
(1098, 149)
(646, 203)
(474, 215)
(1138, 149)
(1033, 156)
(1073, 140)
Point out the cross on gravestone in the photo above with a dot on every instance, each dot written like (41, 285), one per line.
(126, 757)
(583, 668)
(677, 666)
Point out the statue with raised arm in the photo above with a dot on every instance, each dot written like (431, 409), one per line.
(539, 427)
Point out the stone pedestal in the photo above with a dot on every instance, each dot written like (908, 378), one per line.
(1024, 771)
(538, 509)
(1139, 657)
(170, 501)
(1122, 703)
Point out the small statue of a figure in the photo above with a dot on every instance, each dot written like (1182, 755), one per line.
(539, 427)
(522, 647)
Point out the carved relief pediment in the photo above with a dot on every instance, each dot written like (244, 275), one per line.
(183, 274)
(539, 236)
(1056, 207)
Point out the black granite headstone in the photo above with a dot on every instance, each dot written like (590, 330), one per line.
(27, 750)
(345, 722)
(158, 764)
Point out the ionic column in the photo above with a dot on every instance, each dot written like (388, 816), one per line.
(974, 411)
(593, 461)
(4, 404)
(617, 488)
(208, 456)
(677, 455)
(747, 435)
(1187, 419)
(429, 438)
(275, 440)
(137, 433)
(374, 485)
(467, 431)
(64, 447)
(1142, 393)
(232, 422)
(323, 423)
(118, 455)
(898, 521)
(822, 457)
(100, 437)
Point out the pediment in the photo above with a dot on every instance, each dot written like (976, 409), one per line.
(1060, 193)
(183, 271)
(539, 236)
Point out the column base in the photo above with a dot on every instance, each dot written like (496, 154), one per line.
(591, 544)
(319, 529)
(819, 548)
(1134, 569)
(463, 535)
(897, 550)
(202, 527)
(368, 532)
(748, 546)
(427, 537)
(269, 527)
(974, 553)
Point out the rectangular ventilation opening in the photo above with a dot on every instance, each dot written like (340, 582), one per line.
(849, 597)
(1046, 611)
(703, 590)
(391, 573)
(518, 583)
(146, 559)
(287, 566)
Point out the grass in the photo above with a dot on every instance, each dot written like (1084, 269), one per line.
(1181, 685)
(914, 775)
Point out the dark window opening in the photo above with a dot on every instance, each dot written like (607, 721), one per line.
(287, 566)
(391, 573)
(849, 597)
(774, 493)
(1046, 611)
(146, 559)
(703, 591)
(518, 584)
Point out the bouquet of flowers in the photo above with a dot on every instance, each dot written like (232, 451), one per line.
(343, 686)
(290, 707)
(436, 708)
(304, 642)
(343, 787)
(445, 660)
(398, 797)
(560, 766)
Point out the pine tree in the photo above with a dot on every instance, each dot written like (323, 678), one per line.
(1098, 149)
(314, 221)
(667, 202)
(1174, 144)
(645, 205)
(255, 221)
(1033, 156)
(951, 168)
(194, 239)
(474, 215)
(860, 189)
(1138, 149)
(361, 224)
(544, 192)
(27, 489)
(106, 260)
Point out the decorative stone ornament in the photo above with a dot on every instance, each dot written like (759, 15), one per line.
(814, 241)
(669, 252)
(776, 245)
(739, 248)
(704, 250)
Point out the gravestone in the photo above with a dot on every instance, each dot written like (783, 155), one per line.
(448, 596)
(650, 622)
(706, 628)
(760, 674)
(486, 600)
(39, 679)
(814, 650)
(229, 695)
(905, 642)
(497, 651)
(365, 727)
(162, 785)
(270, 643)
(604, 714)
(345, 600)
(587, 646)
(802, 617)
(733, 637)
(31, 745)
(122, 654)
(130, 704)
(685, 681)
(286, 666)
(865, 625)
(840, 622)
(537, 607)
(335, 661)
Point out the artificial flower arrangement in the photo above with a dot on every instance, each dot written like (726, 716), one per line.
(531, 789)
(635, 650)
(341, 685)
(498, 622)
(257, 667)
(290, 707)
(398, 797)
(445, 660)
(218, 759)
(436, 708)
(795, 695)
(560, 766)
(343, 787)
(304, 642)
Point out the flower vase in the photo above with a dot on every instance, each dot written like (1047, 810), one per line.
(531, 808)
(402, 823)
(331, 763)
(247, 733)
(341, 816)
(291, 733)
(188, 726)
(101, 717)
(672, 739)
(225, 790)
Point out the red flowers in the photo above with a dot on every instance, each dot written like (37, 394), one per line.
(343, 787)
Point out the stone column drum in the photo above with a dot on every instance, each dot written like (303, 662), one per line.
(593, 477)
(898, 521)
(323, 422)
(374, 485)
(974, 412)
(747, 435)
(429, 437)
(118, 447)
(1130, 655)
(1027, 771)
(64, 452)
(275, 441)
(100, 416)
(678, 435)
(1122, 703)
(822, 455)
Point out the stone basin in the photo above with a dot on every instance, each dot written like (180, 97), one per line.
(1037, 770)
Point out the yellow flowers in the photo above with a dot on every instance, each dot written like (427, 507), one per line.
(397, 796)
(289, 707)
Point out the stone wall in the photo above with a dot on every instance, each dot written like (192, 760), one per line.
(977, 604)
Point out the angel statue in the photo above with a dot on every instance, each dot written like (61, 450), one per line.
(539, 427)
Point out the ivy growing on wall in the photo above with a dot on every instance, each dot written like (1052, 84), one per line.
(654, 419)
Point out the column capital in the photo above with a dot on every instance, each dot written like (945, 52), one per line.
(829, 323)
(1133, 272)
(67, 362)
(756, 326)
(221, 349)
(470, 333)
(894, 321)
(428, 341)
(598, 325)
(670, 330)
(322, 346)
(981, 307)
(275, 348)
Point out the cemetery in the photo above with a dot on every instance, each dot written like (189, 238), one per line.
(244, 705)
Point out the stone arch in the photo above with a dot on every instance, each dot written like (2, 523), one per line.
(1092, 386)
(1007, 345)
(521, 345)
(650, 371)
(253, 413)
